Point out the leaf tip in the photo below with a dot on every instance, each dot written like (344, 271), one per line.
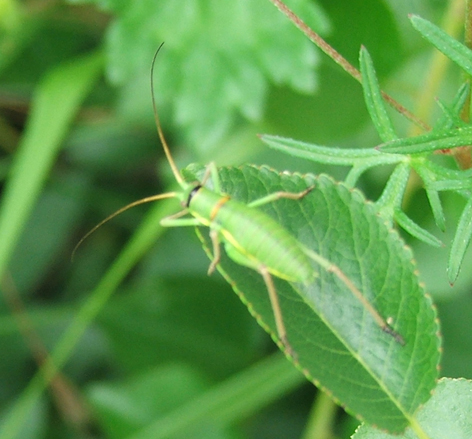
(452, 276)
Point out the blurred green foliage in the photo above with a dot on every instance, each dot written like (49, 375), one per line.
(228, 70)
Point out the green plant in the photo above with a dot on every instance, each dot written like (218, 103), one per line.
(173, 332)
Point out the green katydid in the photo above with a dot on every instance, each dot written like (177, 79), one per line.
(250, 237)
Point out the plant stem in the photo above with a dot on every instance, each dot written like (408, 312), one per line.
(463, 155)
(436, 71)
(468, 24)
(320, 421)
(343, 62)
(452, 24)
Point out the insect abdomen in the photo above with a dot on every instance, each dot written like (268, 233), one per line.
(256, 236)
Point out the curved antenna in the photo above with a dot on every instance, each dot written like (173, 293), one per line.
(118, 212)
(174, 168)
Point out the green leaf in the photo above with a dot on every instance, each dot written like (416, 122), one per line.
(328, 154)
(55, 103)
(338, 344)
(391, 198)
(446, 415)
(185, 408)
(207, 83)
(451, 114)
(124, 407)
(436, 208)
(439, 178)
(443, 173)
(452, 48)
(414, 229)
(373, 98)
(428, 178)
(460, 243)
(389, 204)
(429, 142)
(42, 239)
(451, 185)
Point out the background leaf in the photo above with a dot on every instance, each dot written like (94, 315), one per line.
(53, 111)
(188, 406)
(208, 83)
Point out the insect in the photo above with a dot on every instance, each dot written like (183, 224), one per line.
(250, 237)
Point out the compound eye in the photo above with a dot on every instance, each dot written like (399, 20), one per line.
(192, 193)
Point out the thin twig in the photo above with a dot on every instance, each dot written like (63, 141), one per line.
(343, 62)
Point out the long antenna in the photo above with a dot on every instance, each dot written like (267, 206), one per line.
(175, 171)
(120, 211)
(174, 168)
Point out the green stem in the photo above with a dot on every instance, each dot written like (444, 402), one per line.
(321, 419)
(435, 73)
(468, 24)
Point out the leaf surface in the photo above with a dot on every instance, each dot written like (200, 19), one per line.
(429, 142)
(446, 415)
(453, 49)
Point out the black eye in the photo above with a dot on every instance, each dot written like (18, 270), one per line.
(192, 194)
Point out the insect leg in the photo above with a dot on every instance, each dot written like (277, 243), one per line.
(278, 195)
(274, 301)
(333, 268)
(216, 250)
(212, 171)
(244, 260)
(175, 221)
(176, 215)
